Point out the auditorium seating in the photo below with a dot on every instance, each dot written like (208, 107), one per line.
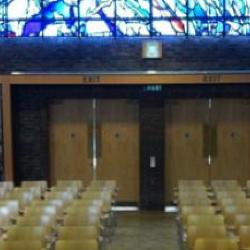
(65, 216)
(215, 244)
(219, 210)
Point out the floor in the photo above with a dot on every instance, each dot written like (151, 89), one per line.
(144, 231)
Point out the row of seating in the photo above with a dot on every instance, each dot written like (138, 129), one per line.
(67, 216)
(215, 217)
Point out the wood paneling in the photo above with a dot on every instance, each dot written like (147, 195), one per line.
(69, 121)
(232, 119)
(184, 124)
(198, 77)
(119, 154)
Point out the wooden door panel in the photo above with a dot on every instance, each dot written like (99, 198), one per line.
(184, 127)
(232, 119)
(69, 121)
(119, 154)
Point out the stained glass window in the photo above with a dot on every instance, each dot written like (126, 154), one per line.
(24, 9)
(169, 8)
(96, 28)
(238, 27)
(83, 18)
(175, 26)
(133, 28)
(205, 8)
(211, 27)
(97, 9)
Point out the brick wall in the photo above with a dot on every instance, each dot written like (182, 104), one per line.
(111, 54)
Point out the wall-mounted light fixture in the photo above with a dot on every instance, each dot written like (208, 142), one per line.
(152, 49)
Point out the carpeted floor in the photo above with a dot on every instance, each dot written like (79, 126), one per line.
(145, 231)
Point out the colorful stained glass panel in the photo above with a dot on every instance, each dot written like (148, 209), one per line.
(173, 27)
(24, 28)
(2, 29)
(133, 28)
(132, 8)
(169, 8)
(236, 8)
(205, 8)
(2, 10)
(96, 28)
(60, 9)
(97, 9)
(24, 9)
(205, 28)
(61, 28)
(238, 27)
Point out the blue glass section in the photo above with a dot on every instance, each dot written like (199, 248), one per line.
(133, 28)
(205, 8)
(60, 9)
(2, 29)
(24, 9)
(24, 28)
(132, 8)
(238, 27)
(97, 9)
(169, 8)
(96, 28)
(173, 27)
(205, 28)
(236, 8)
(2, 10)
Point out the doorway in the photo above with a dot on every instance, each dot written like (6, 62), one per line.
(206, 139)
(96, 138)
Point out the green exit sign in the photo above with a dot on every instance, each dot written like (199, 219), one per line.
(153, 88)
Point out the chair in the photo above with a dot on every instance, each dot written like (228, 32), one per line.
(83, 220)
(231, 211)
(195, 232)
(64, 196)
(83, 210)
(20, 233)
(5, 218)
(215, 244)
(231, 194)
(7, 185)
(244, 237)
(21, 245)
(205, 220)
(24, 198)
(42, 184)
(77, 233)
(241, 220)
(76, 245)
(12, 206)
(234, 201)
(70, 183)
(41, 210)
(187, 210)
(58, 204)
(33, 220)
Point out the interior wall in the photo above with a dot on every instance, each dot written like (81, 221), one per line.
(30, 115)
(119, 54)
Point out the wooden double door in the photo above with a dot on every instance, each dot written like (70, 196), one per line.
(105, 131)
(206, 139)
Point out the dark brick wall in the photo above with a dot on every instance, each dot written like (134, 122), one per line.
(111, 54)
